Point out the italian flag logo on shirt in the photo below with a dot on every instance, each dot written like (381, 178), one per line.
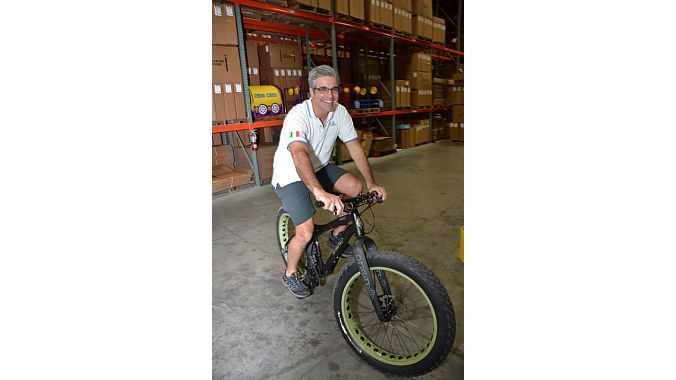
(296, 133)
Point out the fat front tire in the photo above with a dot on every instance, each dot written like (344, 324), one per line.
(418, 337)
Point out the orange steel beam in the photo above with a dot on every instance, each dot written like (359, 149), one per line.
(247, 126)
(276, 123)
(330, 20)
(278, 9)
(399, 112)
(271, 27)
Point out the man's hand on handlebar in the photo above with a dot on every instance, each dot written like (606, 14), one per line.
(331, 202)
(380, 190)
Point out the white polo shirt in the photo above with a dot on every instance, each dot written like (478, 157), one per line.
(301, 124)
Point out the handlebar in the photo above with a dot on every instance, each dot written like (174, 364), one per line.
(359, 200)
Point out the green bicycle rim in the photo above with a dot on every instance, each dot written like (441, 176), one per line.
(366, 344)
(283, 233)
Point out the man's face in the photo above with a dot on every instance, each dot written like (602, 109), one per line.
(325, 102)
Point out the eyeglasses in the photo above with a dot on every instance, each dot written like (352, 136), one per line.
(325, 90)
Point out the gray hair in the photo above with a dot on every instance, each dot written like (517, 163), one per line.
(322, 71)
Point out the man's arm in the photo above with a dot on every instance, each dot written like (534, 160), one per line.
(362, 163)
(301, 160)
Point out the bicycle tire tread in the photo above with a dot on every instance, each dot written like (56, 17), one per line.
(424, 273)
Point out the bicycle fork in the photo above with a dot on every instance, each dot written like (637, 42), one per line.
(360, 256)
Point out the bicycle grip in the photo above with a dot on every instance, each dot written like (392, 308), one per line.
(319, 204)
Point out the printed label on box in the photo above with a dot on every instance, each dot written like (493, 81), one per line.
(238, 87)
(229, 10)
(217, 89)
(267, 48)
(255, 70)
(217, 10)
(228, 88)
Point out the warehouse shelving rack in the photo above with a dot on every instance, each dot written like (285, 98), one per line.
(313, 29)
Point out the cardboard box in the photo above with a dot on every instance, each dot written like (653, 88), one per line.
(240, 104)
(458, 113)
(420, 80)
(386, 13)
(254, 76)
(213, 108)
(406, 63)
(403, 21)
(372, 11)
(225, 64)
(217, 102)
(439, 32)
(325, 4)
(382, 144)
(403, 4)
(309, 3)
(422, 8)
(405, 138)
(357, 9)
(216, 139)
(224, 178)
(455, 95)
(343, 7)
(229, 100)
(421, 98)
(223, 25)
(280, 55)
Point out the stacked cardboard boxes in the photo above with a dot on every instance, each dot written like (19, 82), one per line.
(253, 63)
(406, 136)
(281, 65)
(423, 27)
(402, 94)
(457, 131)
(223, 26)
(380, 12)
(227, 89)
(439, 31)
(439, 91)
(224, 176)
(403, 20)
(365, 137)
(422, 131)
(417, 69)
(343, 8)
(356, 9)
(423, 23)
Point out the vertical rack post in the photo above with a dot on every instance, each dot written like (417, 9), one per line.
(245, 85)
(457, 46)
(393, 88)
(334, 56)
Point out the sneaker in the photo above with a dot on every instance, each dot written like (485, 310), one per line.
(298, 288)
(335, 241)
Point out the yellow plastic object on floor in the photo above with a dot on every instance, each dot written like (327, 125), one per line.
(462, 244)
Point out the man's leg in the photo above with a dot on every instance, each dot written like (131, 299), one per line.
(297, 245)
(350, 186)
(296, 201)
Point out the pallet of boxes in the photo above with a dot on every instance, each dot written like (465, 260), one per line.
(456, 97)
(228, 106)
(365, 137)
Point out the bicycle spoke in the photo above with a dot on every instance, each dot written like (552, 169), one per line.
(403, 344)
(410, 333)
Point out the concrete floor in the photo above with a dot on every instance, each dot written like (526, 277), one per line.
(261, 331)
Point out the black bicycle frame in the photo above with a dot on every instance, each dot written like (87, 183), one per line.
(352, 220)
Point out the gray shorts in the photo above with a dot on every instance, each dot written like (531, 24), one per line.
(296, 198)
